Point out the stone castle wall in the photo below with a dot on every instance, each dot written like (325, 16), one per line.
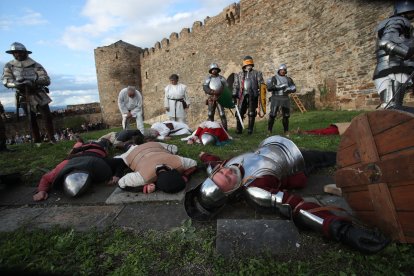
(328, 46)
(117, 66)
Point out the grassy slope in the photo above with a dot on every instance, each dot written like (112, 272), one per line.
(189, 249)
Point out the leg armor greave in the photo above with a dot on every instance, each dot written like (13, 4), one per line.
(270, 123)
(307, 219)
(211, 111)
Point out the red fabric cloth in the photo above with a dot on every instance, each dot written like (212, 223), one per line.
(331, 130)
(220, 133)
(48, 178)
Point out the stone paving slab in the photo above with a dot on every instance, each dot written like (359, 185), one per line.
(80, 218)
(254, 237)
(119, 196)
(21, 195)
(13, 218)
(16, 195)
(314, 185)
(162, 216)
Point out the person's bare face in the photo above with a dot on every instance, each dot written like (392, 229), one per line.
(226, 179)
(174, 81)
(20, 55)
(131, 93)
(282, 72)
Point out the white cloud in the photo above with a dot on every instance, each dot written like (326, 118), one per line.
(137, 22)
(31, 18)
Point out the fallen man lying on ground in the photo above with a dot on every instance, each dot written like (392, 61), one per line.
(87, 163)
(209, 132)
(156, 166)
(262, 177)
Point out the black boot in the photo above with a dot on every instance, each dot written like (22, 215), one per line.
(239, 128)
(224, 122)
(251, 125)
(364, 240)
(270, 125)
(285, 123)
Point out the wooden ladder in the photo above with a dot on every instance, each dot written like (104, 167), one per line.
(298, 102)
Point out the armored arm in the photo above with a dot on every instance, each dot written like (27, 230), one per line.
(263, 198)
(391, 47)
(42, 76)
(206, 87)
(395, 37)
(292, 87)
(236, 86)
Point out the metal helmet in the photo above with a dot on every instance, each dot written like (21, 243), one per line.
(248, 60)
(76, 182)
(282, 67)
(17, 46)
(208, 138)
(402, 7)
(214, 66)
(205, 200)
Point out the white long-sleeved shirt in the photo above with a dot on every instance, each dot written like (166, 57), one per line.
(125, 103)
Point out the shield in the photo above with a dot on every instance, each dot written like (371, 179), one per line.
(375, 171)
(225, 99)
(262, 100)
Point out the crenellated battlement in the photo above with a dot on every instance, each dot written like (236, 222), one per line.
(229, 16)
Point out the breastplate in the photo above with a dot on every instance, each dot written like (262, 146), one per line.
(264, 161)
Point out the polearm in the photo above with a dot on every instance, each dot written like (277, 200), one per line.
(401, 88)
(29, 111)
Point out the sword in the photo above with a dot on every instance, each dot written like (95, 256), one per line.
(238, 116)
(29, 111)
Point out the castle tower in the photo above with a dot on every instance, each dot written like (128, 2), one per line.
(117, 66)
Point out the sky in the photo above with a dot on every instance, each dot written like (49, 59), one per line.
(62, 36)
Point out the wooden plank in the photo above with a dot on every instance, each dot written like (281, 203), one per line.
(382, 120)
(407, 223)
(395, 139)
(348, 156)
(347, 138)
(387, 219)
(351, 177)
(397, 154)
(366, 144)
(403, 197)
(359, 201)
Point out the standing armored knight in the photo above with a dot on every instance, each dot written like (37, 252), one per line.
(395, 49)
(30, 80)
(281, 86)
(213, 86)
(246, 91)
(262, 177)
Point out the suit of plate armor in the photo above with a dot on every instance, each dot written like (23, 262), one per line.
(246, 91)
(264, 175)
(29, 76)
(213, 86)
(280, 87)
(394, 51)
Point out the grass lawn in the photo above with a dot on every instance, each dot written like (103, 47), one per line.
(189, 249)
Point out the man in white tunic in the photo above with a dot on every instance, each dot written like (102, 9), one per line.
(176, 100)
(130, 106)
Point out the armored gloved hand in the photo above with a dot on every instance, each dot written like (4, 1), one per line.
(365, 240)
(24, 83)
